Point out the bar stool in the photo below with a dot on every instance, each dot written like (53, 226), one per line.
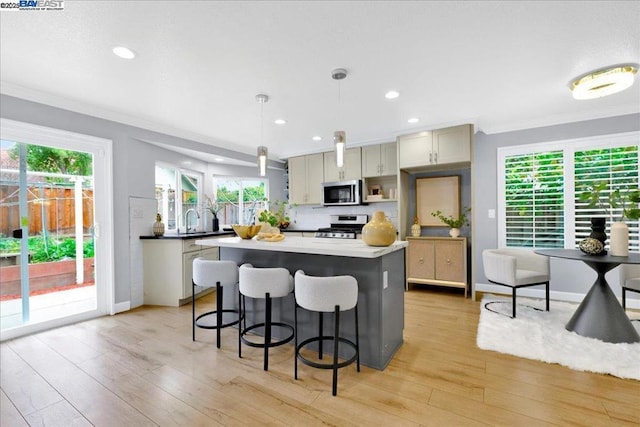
(325, 295)
(263, 283)
(207, 274)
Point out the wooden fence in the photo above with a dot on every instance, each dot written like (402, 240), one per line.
(51, 208)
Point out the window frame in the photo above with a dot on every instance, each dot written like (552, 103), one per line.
(241, 204)
(568, 147)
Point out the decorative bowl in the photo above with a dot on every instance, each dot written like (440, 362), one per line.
(246, 231)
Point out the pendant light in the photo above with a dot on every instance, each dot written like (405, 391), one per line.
(339, 136)
(262, 150)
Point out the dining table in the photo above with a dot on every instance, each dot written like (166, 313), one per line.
(600, 315)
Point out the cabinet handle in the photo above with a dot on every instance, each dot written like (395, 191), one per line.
(448, 262)
(435, 157)
(430, 157)
(421, 260)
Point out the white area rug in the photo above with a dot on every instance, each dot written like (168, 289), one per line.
(541, 335)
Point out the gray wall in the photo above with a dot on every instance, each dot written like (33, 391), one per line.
(134, 162)
(485, 195)
(134, 166)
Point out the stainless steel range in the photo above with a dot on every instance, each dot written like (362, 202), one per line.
(343, 227)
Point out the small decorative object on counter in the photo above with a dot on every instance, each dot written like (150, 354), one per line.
(158, 226)
(415, 228)
(591, 246)
(597, 229)
(619, 242)
(454, 232)
(380, 231)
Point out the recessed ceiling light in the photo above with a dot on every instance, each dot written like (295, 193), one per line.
(123, 52)
(317, 138)
(603, 82)
(219, 159)
(280, 121)
(413, 120)
(392, 94)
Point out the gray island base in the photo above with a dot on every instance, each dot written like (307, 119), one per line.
(380, 273)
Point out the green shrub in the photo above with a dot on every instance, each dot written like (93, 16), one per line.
(47, 250)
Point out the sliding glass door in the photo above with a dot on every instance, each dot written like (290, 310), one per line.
(51, 212)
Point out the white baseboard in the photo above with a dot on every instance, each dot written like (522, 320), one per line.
(632, 303)
(119, 307)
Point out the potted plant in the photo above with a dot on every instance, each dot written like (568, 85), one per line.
(453, 222)
(278, 216)
(214, 208)
(627, 200)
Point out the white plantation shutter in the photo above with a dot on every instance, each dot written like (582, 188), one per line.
(534, 200)
(618, 168)
(539, 187)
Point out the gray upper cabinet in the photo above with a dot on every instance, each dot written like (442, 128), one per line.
(379, 160)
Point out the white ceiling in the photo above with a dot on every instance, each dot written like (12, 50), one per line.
(502, 65)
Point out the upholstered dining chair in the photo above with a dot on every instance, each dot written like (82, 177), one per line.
(516, 268)
(629, 280)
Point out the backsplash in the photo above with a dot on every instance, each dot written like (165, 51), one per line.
(314, 217)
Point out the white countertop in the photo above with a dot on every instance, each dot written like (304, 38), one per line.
(308, 245)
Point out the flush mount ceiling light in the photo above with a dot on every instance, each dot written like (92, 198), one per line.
(262, 150)
(413, 120)
(123, 52)
(603, 82)
(280, 121)
(339, 136)
(392, 94)
(317, 138)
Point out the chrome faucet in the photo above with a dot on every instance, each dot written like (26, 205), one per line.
(186, 219)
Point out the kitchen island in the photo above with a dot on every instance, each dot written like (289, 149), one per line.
(380, 272)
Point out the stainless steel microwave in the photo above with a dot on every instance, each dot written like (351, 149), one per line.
(342, 193)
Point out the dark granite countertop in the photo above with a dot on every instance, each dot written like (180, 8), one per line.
(198, 235)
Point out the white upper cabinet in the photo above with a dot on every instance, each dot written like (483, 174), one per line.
(379, 160)
(352, 168)
(437, 147)
(305, 179)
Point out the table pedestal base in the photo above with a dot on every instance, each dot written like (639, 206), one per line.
(600, 315)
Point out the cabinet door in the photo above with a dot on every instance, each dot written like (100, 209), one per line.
(352, 164)
(332, 172)
(449, 258)
(371, 161)
(421, 256)
(314, 179)
(414, 150)
(187, 272)
(297, 180)
(210, 253)
(352, 168)
(452, 145)
(389, 159)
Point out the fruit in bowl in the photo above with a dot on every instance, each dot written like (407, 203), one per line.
(246, 231)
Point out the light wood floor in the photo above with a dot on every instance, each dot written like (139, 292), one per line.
(141, 368)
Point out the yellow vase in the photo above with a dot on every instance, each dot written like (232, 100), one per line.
(379, 231)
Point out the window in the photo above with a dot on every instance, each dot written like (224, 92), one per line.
(540, 186)
(241, 198)
(177, 191)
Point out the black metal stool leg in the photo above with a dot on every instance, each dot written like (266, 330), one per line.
(241, 313)
(513, 303)
(218, 311)
(320, 330)
(336, 335)
(295, 347)
(193, 311)
(357, 338)
(624, 299)
(267, 331)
